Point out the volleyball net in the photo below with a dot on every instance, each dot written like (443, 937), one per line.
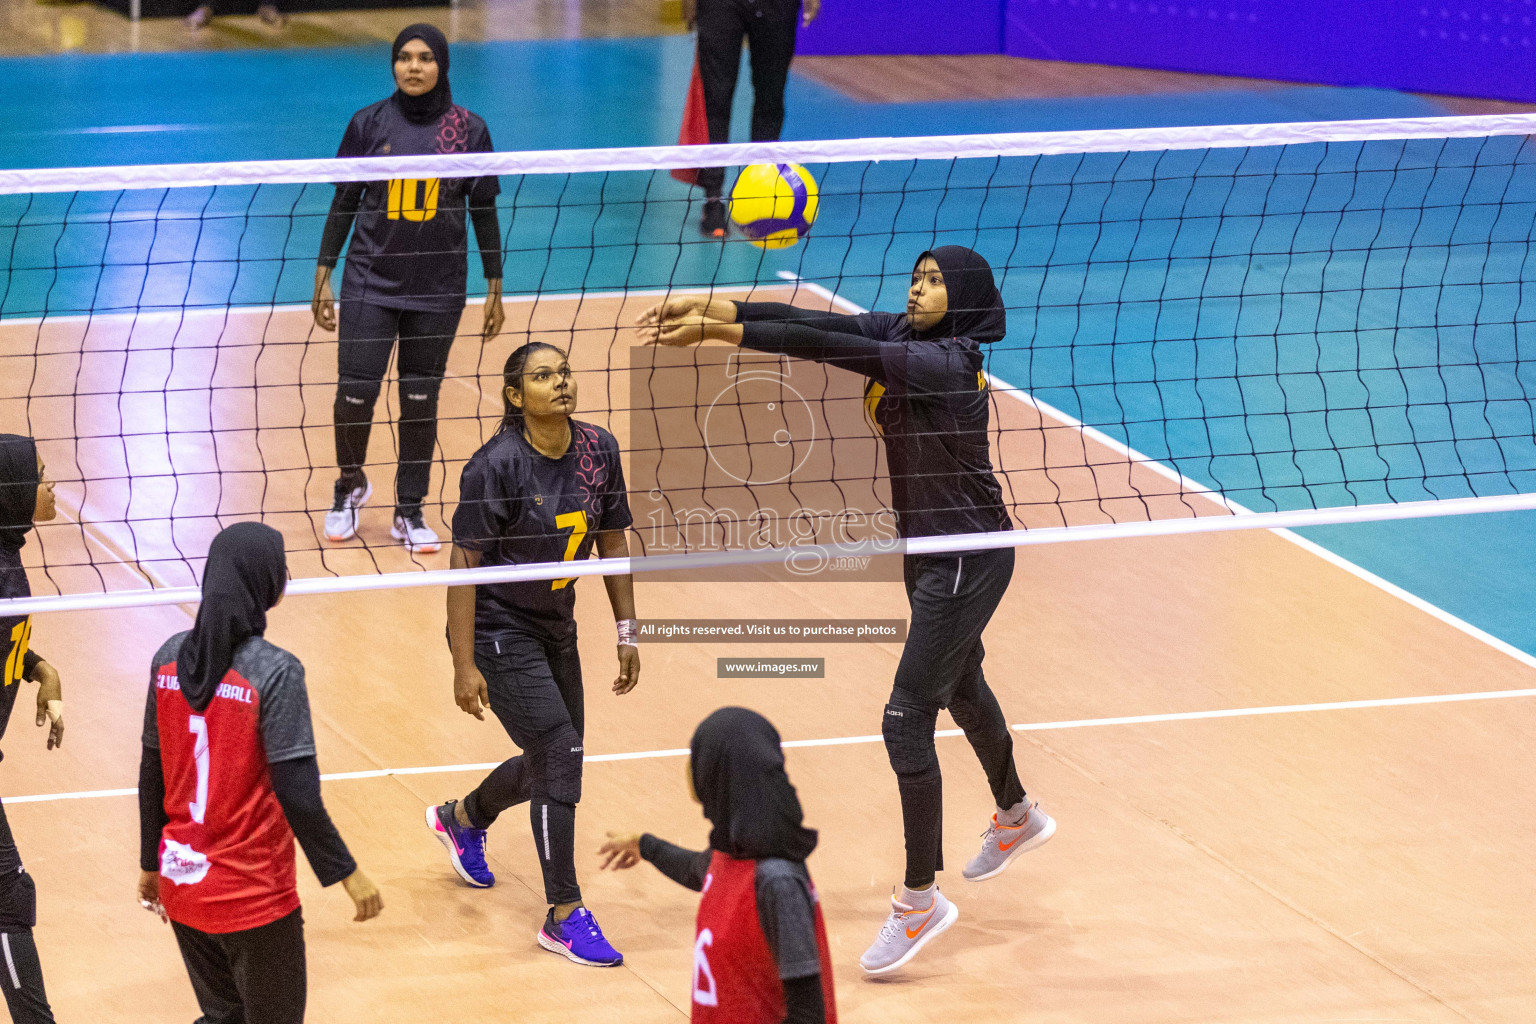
(1208, 328)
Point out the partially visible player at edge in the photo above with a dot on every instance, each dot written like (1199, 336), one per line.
(406, 276)
(543, 489)
(227, 780)
(927, 397)
(26, 497)
(760, 950)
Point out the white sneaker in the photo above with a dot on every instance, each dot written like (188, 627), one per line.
(906, 932)
(418, 537)
(341, 520)
(1000, 844)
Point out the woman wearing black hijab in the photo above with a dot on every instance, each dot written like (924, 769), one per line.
(927, 398)
(760, 956)
(405, 277)
(26, 497)
(228, 779)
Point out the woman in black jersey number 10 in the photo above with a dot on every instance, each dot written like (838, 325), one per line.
(26, 496)
(406, 277)
(927, 396)
(760, 948)
(545, 488)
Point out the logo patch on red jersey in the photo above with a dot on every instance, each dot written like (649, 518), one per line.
(182, 864)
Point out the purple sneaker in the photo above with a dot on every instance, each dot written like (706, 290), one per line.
(579, 939)
(465, 846)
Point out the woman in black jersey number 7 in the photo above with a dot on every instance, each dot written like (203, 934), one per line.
(928, 399)
(405, 278)
(543, 489)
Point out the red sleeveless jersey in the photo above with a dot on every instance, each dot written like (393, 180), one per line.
(226, 855)
(735, 979)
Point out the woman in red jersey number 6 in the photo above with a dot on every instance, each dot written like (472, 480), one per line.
(228, 779)
(760, 952)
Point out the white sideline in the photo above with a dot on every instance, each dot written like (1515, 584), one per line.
(655, 158)
(844, 741)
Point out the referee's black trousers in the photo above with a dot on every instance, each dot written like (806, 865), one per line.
(769, 27)
(952, 598)
(22, 973)
(257, 976)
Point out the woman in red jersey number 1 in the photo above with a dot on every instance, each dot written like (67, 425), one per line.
(760, 951)
(227, 780)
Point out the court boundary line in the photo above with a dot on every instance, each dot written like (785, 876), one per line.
(1197, 488)
(847, 741)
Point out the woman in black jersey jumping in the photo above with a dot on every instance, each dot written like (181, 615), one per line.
(929, 402)
(405, 278)
(26, 497)
(545, 488)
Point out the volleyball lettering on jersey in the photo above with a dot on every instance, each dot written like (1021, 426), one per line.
(226, 855)
(735, 978)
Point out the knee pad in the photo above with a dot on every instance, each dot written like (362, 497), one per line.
(563, 755)
(18, 901)
(355, 398)
(908, 732)
(418, 397)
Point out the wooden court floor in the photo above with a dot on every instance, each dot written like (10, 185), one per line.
(1359, 864)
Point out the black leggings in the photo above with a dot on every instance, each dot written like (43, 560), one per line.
(535, 690)
(769, 26)
(367, 334)
(952, 599)
(257, 976)
(21, 974)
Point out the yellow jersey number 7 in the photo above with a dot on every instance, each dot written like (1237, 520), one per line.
(15, 663)
(577, 521)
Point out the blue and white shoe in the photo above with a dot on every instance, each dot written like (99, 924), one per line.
(579, 939)
(465, 846)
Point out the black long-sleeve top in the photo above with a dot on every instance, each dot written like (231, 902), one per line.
(15, 634)
(784, 910)
(927, 399)
(410, 247)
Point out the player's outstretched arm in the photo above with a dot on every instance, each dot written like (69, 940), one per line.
(685, 867)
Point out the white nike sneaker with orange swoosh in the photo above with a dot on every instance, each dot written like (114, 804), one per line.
(1001, 843)
(906, 931)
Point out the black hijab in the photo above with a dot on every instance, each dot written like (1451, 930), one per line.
(245, 575)
(18, 489)
(434, 103)
(975, 307)
(738, 773)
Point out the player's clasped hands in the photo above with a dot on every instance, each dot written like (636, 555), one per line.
(677, 321)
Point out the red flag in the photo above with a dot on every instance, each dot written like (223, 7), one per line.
(695, 130)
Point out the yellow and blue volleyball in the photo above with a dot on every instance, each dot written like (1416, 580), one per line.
(774, 205)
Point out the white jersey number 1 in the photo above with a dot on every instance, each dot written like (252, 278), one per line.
(198, 726)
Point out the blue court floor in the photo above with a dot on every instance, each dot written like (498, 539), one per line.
(144, 108)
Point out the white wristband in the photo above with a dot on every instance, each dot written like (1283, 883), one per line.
(627, 629)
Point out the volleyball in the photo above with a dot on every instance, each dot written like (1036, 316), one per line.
(774, 205)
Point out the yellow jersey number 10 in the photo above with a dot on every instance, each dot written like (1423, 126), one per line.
(413, 198)
(15, 662)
